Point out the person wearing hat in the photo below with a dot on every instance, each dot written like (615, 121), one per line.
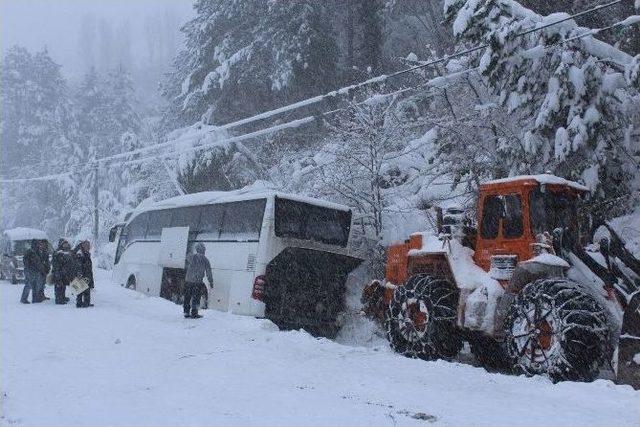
(197, 265)
(85, 271)
(63, 270)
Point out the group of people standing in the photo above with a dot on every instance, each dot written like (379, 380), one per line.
(66, 265)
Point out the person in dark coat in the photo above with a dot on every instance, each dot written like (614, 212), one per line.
(197, 265)
(63, 270)
(45, 267)
(31, 271)
(85, 270)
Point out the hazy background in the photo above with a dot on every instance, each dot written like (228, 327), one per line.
(143, 35)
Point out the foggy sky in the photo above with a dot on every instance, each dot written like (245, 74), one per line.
(56, 24)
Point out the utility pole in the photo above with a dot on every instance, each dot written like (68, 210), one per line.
(96, 214)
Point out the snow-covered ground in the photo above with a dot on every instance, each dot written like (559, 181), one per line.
(133, 360)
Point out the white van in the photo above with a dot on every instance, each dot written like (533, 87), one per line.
(274, 255)
(14, 244)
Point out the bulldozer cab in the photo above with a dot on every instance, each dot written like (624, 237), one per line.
(513, 211)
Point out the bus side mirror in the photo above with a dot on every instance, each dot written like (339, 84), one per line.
(113, 233)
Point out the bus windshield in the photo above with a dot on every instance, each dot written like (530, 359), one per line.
(305, 221)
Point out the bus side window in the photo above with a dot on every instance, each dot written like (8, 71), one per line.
(157, 221)
(210, 222)
(188, 217)
(242, 221)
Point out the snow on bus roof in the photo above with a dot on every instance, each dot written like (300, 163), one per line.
(25, 233)
(544, 178)
(251, 192)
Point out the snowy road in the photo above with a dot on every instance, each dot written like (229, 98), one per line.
(133, 360)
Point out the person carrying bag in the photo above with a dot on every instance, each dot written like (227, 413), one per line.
(84, 272)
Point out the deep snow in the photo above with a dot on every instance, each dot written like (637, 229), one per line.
(133, 360)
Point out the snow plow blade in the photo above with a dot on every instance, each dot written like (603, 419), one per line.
(621, 273)
(629, 345)
(625, 268)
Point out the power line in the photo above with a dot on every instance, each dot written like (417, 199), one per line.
(310, 119)
(52, 177)
(319, 98)
(347, 89)
(255, 134)
(262, 132)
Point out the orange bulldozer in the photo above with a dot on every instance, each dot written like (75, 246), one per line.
(521, 288)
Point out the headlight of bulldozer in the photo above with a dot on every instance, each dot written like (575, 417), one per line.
(502, 266)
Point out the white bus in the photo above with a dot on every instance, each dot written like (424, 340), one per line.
(274, 255)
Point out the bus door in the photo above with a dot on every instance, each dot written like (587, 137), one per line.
(172, 256)
(173, 247)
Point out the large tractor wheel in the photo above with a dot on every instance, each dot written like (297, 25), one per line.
(556, 328)
(421, 319)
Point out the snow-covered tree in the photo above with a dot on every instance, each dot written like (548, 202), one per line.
(355, 165)
(243, 57)
(38, 130)
(37, 126)
(109, 124)
(571, 102)
(106, 110)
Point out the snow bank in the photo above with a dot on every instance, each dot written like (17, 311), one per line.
(133, 360)
(25, 233)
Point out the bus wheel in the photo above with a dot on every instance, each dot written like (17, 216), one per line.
(131, 283)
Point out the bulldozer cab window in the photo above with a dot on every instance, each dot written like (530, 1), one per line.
(509, 209)
(512, 221)
(551, 210)
(492, 211)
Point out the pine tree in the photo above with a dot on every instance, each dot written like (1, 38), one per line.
(242, 57)
(39, 134)
(570, 101)
(37, 118)
(356, 162)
